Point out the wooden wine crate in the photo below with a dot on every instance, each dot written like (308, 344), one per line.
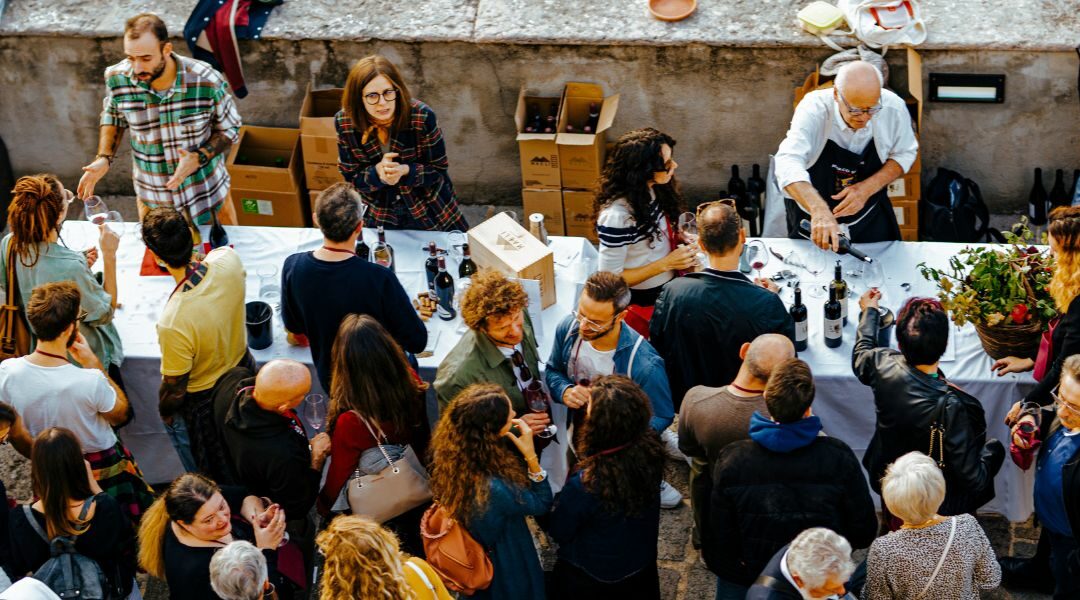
(909, 234)
(907, 213)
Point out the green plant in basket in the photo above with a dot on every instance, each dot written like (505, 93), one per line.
(992, 286)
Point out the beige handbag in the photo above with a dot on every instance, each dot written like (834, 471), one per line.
(397, 489)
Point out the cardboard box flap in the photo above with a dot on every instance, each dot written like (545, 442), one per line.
(915, 87)
(521, 115)
(253, 161)
(318, 110)
(576, 139)
(607, 113)
(584, 90)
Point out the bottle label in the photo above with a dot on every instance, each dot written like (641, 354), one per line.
(833, 329)
(802, 331)
(843, 308)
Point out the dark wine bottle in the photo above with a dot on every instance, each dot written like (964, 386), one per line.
(834, 330)
(383, 253)
(594, 118)
(552, 120)
(845, 243)
(534, 122)
(218, 237)
(1076, 188)
(431, 265)
(755, 193)
(798, 314)
(362, 249)
(840, 286)
(1037, 201)
(444, 291)
(467, 268)
(736, 187)
(1058, 195)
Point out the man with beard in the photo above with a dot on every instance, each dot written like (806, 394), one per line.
(182, 120)
(593, 342)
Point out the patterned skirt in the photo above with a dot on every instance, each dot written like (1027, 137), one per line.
(118, 475)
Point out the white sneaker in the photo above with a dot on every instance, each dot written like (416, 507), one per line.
(671, 444)
(669, 496)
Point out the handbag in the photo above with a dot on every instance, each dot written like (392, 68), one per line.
(456, 556)
(1045, 358)
(14, 332)
(884, 23)
(941, 561)
(400, 487)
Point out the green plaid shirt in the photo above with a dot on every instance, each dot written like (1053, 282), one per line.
(162, 123)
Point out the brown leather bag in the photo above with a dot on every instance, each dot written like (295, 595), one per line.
(14, 332)
(456, 556)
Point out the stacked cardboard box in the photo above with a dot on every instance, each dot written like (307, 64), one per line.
(540, 176)
(267, 178)
(318, 138)
(904, 193)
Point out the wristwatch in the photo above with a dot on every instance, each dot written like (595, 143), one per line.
(204, 157)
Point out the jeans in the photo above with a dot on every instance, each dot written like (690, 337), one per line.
(178, 435)
(725, 590)
(1066, 586)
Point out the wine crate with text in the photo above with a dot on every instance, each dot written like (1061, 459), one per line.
(536, 119)
(584, 119)
(502, 244)
(548, 203)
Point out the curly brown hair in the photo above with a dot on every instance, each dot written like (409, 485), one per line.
(624, 457)
(491, 294)
(632, 163)
(467, 451)
(362, 561)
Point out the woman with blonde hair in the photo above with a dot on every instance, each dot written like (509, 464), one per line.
(363, 560)
(391, 149)
(486, 475)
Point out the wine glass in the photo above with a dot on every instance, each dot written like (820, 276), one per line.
(816, 262)
(269, 286)
(757, 254)
(689, 231)
(98, 213)
(455, 242)
(315, 411)
(538, 403)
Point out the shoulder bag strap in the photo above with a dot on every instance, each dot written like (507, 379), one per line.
(941, 561)
(423, 577)
(34, 524)
(633, 355)
(376, 436)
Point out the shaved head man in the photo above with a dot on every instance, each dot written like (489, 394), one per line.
(844, 146)
(281, 385)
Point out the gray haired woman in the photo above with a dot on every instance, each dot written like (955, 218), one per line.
(930, 556)
(238, 572)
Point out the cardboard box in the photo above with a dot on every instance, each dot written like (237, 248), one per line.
(501, 244)
(539, 155)
(580, 214)
(581, 155)
(907, 213)
(906, 188)
(318, 137)
(266, 188)
(909, 234)
(548, 203)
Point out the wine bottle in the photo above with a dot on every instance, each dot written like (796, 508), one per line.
(834, 330)
(798, 314)
(1058, 195)
(594, 118)
(840, 286)
(467, 268)
(1076, 188)
(845, 243)
(218, 237)
(552, 120)
(444, 290)
(431, 265)
(383, 253)
(736, 188)
(1037, 201)
(362, 249)
(755, 192)
(534, 121)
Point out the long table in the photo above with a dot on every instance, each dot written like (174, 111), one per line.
(845, 406)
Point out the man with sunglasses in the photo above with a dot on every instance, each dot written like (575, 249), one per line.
(844, 146)
(592, 342)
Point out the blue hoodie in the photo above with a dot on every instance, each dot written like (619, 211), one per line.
(784, 437)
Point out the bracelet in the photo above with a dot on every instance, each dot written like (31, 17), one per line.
(530, 458)
(538, 477)
(108, 157)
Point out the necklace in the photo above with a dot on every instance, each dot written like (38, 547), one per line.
(745, 390)
(50, 354)
(340, 250)
(934, 520)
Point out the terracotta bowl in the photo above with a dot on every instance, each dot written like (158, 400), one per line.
(672, 10)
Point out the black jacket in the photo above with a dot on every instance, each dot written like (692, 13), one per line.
(700, 322)
(762, 499)
(907, 402)
(270, 456)
(1065, 342)
(771, 583)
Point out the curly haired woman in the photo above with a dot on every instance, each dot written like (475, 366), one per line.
(479, 478)
(363, 561)
(607, 517)
(638, 204)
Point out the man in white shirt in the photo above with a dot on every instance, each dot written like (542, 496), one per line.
(844, 146)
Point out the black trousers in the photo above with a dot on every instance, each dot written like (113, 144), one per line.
(571, 583)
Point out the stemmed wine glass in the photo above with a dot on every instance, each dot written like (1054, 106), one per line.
(98, 213)
(538, 403)
(816, 261)
(455, 242)
(688, 229)
(315, 411)
(757, 254)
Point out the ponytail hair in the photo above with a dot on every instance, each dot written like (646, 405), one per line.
(36, 206)
(185, 496)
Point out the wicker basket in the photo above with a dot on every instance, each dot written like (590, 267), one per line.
(1010, 339)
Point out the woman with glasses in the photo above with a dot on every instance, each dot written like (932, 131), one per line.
(486, 475)
(639, 205)
(39, 205)
(391, 148)
(844, 147)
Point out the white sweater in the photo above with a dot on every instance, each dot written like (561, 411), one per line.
(624, 245)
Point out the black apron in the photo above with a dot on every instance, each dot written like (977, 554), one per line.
(837, 169)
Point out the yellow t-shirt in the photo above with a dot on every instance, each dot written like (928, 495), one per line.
(202, 330)
(417, 584)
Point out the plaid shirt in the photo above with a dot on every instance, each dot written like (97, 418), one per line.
(162, 123)
(423, 199)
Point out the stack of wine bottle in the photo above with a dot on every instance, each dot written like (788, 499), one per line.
(1040, 203)
(749, 196)
(836, 314)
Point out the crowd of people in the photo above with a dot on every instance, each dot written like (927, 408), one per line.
(660, 360)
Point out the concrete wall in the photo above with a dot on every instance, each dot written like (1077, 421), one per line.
(723, 105)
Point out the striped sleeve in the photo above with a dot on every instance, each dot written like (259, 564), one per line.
(617, 232)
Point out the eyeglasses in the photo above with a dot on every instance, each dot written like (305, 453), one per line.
(858, 112)
(1060, 404)
(583, 321)
(519, 361)
(729, 202)
(82, 315)
(373, 98)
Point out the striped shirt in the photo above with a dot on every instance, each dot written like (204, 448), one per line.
(162, 123)
(625, 245)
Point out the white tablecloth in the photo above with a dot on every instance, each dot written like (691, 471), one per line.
(845, 406)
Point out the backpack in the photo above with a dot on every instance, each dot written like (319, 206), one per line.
(884, 23)
(68, 573)
(456, 556)
(952, 210)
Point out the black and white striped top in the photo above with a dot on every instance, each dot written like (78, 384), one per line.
(625, 245)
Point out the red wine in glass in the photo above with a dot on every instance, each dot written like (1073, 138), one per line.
(538, 403)
(757, 265)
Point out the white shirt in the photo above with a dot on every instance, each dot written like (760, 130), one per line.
(65, 396)
(817, 119)
(590, 363)
(508, 353)
(623, 245)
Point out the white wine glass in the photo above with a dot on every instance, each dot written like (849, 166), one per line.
(315, 411)
(816, 263)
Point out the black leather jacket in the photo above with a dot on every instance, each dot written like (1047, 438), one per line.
(907, 402)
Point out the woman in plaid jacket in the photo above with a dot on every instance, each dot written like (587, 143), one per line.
(391, 148)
